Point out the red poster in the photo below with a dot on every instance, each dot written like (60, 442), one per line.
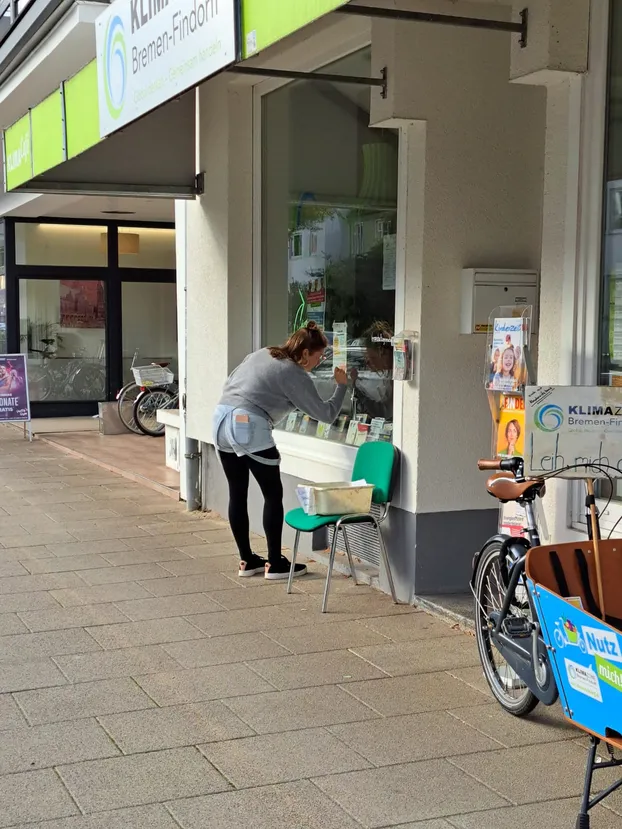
(82, 304)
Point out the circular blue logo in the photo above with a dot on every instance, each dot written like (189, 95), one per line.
(115, 66)
(549, 418)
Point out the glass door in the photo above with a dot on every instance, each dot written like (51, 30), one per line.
(62, 330)
(149, 324)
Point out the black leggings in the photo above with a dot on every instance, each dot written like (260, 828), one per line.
(237, 470)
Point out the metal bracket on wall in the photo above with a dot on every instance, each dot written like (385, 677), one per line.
(445, 19)
(199, 184)
(380, 82)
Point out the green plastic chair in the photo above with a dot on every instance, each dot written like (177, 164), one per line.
(377, 463)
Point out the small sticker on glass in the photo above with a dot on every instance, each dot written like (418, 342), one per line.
(251, 42)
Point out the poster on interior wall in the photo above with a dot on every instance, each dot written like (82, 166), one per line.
(316, 301)
(389, 261)
(14, 400)
(340, 345)
(82, 304)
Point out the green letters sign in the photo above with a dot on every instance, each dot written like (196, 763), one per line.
(17, 153)
(48, 134)
(266, 21)
(609, 673)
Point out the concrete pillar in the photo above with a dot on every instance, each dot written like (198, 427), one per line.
(475, 148)
(219, 240)
(556, 59)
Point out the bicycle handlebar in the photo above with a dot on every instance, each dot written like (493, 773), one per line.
(513, 464)
(489, 465)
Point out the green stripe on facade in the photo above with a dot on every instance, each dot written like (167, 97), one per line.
(266, 21)
(82, 110)
(48, 134)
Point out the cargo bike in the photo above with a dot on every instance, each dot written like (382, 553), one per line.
(549, 623)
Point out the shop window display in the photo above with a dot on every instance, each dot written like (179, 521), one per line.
(63, 333)
(329, 202)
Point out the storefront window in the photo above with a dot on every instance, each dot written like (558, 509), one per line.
(149, 313)
(62, 330)
(61, 244)
(329, 201)
(147, 247)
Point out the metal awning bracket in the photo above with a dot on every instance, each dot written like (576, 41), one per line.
(291, 75)
(444, 19)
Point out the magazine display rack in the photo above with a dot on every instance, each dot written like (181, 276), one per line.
(507, 371)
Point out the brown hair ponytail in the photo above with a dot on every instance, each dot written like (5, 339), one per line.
(310, 338)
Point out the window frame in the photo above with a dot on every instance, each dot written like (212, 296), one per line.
(112, 275)
(585, 314)
(321, 457)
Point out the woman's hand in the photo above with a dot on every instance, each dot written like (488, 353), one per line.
(354, 374)
(341, 378)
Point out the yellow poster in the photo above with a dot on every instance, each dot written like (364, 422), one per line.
(511, 428)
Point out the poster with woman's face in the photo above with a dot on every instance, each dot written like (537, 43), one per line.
(511, 433)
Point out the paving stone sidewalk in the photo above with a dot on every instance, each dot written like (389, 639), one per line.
(143, 686)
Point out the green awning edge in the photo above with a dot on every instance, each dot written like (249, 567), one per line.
(62, 126)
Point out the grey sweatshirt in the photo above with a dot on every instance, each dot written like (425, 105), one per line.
(274, 387)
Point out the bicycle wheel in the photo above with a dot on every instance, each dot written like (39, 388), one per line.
(89, 382)
(125, 406)
(39, 383)
(490, 590)
(146, 410)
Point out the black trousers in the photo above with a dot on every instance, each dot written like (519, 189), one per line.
(238, 471)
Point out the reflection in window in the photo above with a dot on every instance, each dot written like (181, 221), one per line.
(62, 330)
(329, 199)
(611, 316)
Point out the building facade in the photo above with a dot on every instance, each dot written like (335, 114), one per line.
(360, 205)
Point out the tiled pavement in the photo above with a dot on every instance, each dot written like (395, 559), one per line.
(142, 686)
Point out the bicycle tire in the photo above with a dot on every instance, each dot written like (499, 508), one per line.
(39, 384)
(526, 701)
(125, 406)
(89, 382)
(145, 410)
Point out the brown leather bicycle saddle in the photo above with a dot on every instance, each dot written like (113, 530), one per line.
(505, 487)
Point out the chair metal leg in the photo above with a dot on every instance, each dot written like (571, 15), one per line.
(385, 558)
(349, 552)
(331, 561)
(293, 564)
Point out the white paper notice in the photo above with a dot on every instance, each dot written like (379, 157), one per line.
(340, 344)
(389, 263)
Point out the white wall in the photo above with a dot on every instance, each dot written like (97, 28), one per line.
(219, 241)
(474, 170)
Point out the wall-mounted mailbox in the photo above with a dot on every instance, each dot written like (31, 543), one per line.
(484, 289)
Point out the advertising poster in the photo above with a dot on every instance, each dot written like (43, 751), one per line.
(82, 304)
(512, 519)
(340, 345)
(586, 657)
(14, 401)
(316, 301)
(511, 428)
(506, 363)
(573, 426)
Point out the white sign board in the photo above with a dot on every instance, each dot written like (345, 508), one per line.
(149, 51)
(573, 425)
